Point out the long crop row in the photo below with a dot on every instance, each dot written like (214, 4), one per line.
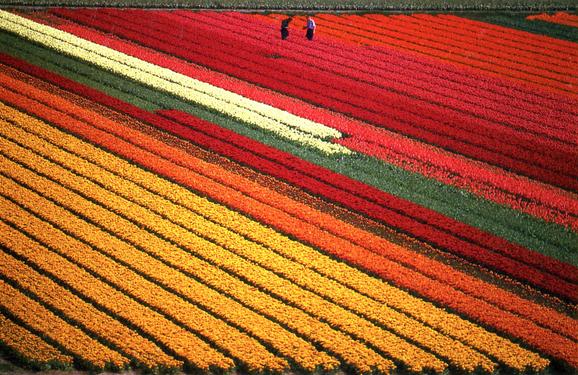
(335, 292)
(252, 233)
(143, 142)
(186, 191)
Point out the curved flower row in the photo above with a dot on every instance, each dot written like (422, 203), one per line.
(413, 357)
(108, 329)
(301, 130)
(252, 354)
(36, 352)
(82, 347)
(459, 355)
(183, 217)
(133, 153)
(350, 351)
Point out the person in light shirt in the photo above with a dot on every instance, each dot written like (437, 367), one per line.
(310, 28)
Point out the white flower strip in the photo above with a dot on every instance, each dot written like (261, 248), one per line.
(230, 104)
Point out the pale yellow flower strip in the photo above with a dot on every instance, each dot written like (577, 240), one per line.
(352, 352)
(186, 345)
(393, 345)
(101, 324)
(31, 347)
(459, 355)
(197, 352)
(49, 325)
(300, 130)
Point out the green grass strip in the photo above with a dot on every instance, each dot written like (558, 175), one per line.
(519, 21)
(548, 238)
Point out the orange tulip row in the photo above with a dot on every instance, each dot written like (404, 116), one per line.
(385, 341)
(89, 352)
(353, 353)
(186, 345)
(505, 351)
(459, 355)
(108, 329)
(174, 338)
(31, 349)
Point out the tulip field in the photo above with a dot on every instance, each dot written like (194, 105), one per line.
(185, 191)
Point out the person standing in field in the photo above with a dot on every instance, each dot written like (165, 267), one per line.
(285, 28)
(310, 28)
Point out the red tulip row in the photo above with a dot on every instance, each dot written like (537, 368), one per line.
(469, 111)
(536, 62)
(476, 178)
(468, 84)
(561, 18)
(493, 184)
(350, 80)
(393, 36)
(481, 83)
(296, 86)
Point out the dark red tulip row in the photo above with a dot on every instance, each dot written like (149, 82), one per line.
(217, 59)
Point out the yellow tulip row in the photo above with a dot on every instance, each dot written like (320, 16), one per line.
(501, 349)
(394, 346)
(85, 349)
(31, 348)
(458, 354)
(353, 353)
(257, 114)
(182, 342)
(147, 354)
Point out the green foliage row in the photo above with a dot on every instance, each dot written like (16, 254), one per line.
(547, 238)
(395, 5)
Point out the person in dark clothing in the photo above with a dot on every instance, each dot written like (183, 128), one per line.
(310, 28)
(285, 28)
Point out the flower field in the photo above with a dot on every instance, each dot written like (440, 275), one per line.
(184, 190)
